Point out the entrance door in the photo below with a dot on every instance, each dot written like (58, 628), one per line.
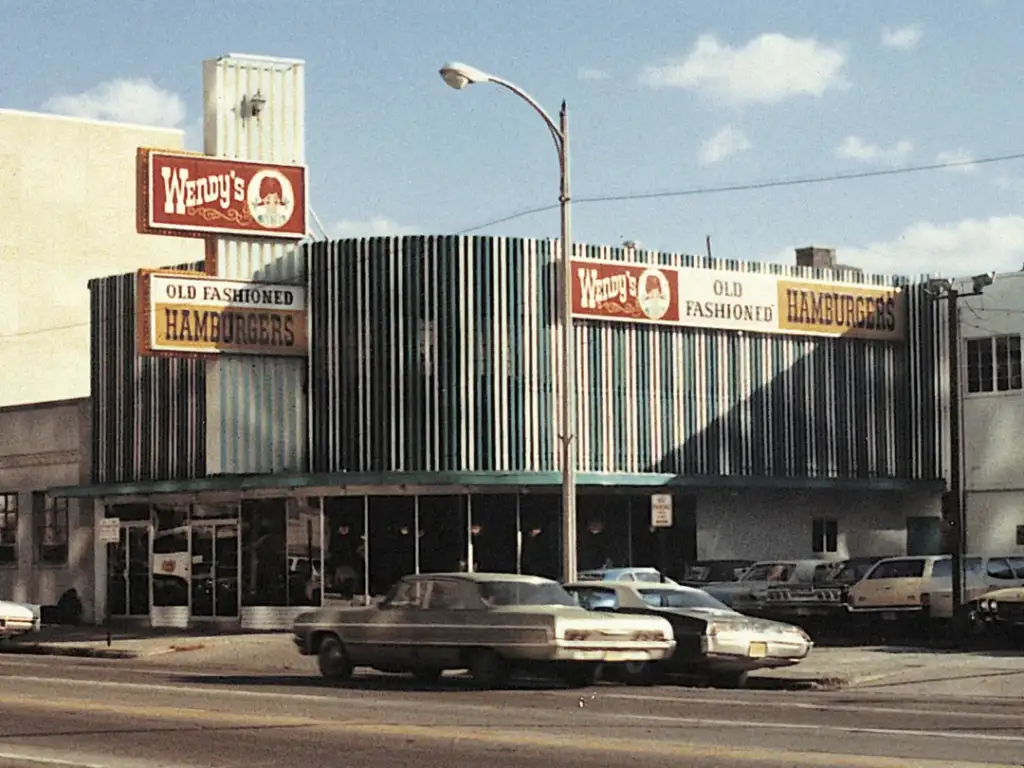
(924, 536)
(128, 572)
(215, 570)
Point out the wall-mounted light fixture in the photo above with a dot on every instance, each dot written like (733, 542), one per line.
(253, 105)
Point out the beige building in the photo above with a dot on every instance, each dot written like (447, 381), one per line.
(992, 388)
(69, 191)
(46, 544)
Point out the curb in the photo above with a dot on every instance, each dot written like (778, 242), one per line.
(40, 649)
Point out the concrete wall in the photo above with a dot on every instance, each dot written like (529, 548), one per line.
(69, 188)
(869, 523)
(41, 446)
(993, 423)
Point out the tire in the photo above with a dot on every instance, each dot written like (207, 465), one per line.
(334, 663)
(581, 674)
(487, 669)
(640, 672)
(729, 679)
(428, 676)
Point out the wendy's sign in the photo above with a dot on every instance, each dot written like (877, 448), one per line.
(196, 195)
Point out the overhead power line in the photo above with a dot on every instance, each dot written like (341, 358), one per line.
(750, 186)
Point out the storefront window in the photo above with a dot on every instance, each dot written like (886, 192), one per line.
(264, 552)
(171, 557)
(305, 567)
(345, 559)
(602, 531)
(443, 528)
(493, 526)
(540, 518)
(392, 540)
(129, 512)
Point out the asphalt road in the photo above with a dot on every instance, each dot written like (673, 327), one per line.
(111, 714)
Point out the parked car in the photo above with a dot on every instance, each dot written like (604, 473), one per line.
(489, 623)
(745, 594)
(824, 597)
(1001, 611)
(703, 572)
(711, 638)
(982, 574)
(17, 619)
(640, 573)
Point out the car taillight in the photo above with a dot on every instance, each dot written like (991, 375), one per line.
(575, 635)
(653, 635)
(712, 629)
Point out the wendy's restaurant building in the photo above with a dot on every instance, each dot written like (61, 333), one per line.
(284, 423)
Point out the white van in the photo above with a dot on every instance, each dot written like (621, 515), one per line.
(981, 575)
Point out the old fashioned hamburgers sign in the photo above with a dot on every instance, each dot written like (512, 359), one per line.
(189, 313)
(196, 195)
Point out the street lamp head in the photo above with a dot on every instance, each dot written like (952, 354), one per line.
(458, 75)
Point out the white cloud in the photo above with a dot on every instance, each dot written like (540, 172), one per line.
(905, 38)
(964, 156)
(856, 148)
(587, 73)
(768, 69)
(954, 249)
(137, 101)
(728, 141)
(375, 226)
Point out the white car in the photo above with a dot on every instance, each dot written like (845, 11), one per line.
(17, 619)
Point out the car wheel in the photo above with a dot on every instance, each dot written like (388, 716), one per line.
(729, 679)
(580, 674)
(640, 673)
(487, 669)
(427, 676)
(333, 661)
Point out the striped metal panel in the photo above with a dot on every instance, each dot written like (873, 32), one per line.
(148, 414)
(257, 405)
(439, 353)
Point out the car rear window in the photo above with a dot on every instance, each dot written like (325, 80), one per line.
(899, 569)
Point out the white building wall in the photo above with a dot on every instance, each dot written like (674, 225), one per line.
(869, 523)
(993, 425)
(42, 446)
(69, 188)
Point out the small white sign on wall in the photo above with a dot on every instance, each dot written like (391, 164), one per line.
(109, 531)
(661, 510)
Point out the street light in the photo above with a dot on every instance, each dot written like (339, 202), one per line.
(953, 509)
(458, 76)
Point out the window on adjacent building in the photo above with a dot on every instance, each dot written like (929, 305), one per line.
(994, 364)
(824, 535)
(8, 528)
(51, 518)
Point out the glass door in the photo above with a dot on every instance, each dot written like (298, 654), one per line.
(129, 571)
(215, 570)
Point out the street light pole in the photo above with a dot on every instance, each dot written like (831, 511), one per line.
(458, 76)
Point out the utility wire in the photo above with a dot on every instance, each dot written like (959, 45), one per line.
(770, 184)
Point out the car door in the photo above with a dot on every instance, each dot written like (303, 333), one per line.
(395, 630)
(446, 623)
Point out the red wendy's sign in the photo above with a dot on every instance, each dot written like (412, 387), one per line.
(195, 195)
(618, 290)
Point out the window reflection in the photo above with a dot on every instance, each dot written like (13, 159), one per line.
(392, 540)
(264, 552)
(493, 528)
(171, 560)
(304, 563)
(540, 520)
(345, 559)
(443, 526)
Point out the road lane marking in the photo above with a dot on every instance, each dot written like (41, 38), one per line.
(491, 736)
(331, 695)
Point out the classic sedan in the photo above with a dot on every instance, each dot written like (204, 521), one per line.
(711, 638)
(16, 619)
(489, 623)
(1001, 610)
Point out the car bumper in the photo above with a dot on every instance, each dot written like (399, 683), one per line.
(610, 653)
(10, 627)
(753, 652)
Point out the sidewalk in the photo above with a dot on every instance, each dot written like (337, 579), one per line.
(885, 669)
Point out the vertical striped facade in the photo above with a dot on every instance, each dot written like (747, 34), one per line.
(256, 406)
(148, 414)
(439, 354)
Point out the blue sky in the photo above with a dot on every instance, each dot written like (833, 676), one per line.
(670, 95)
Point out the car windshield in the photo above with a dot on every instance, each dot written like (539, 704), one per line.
(673, 598)
(497, 593)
